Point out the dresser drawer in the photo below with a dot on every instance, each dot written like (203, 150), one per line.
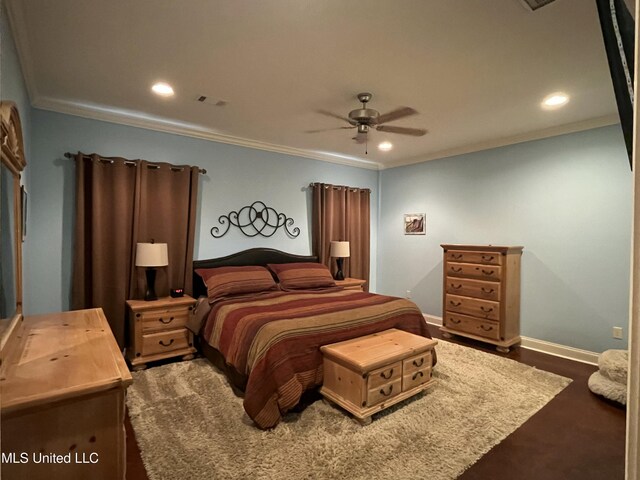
(166, 319)
(168, 341)
(384, 392)
(484, 272)
(474, 326)
(473, 306)
(473, 288)
(384, 375)
(413, 379)
(417, 362)
(488, 258)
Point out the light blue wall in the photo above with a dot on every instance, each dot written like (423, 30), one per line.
(566, 199)
(236, 177)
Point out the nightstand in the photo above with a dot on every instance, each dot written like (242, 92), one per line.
(157, 330)
(351, 284)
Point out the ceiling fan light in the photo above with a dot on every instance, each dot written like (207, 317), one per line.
(162, 89)
(385, 146)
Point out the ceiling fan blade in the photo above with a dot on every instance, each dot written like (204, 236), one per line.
(333, 115)
(396, 114)
(360, 138)
(416, 132)
(329, 129)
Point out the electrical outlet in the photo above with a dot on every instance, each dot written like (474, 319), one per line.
(408, 293)
(617, 332)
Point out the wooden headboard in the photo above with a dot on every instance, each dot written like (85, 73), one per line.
(253, 256)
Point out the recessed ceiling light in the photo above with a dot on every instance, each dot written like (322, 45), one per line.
(555, 100)
(385, 146)
(162, 89)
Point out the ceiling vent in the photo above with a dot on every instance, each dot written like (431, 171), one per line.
(533, 5)
(217, 102)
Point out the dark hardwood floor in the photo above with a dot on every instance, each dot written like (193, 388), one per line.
(576, 436)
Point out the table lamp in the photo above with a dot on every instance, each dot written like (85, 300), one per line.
(339, 250)
(151, 255)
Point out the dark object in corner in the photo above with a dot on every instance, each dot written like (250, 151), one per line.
(618, 30)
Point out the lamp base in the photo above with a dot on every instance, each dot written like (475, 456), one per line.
(339, 275)
(150, 294)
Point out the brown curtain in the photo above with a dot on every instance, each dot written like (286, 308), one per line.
(342, 213)
(119, 203)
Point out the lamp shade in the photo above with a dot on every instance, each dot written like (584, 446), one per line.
(151, 255)
(340, 249)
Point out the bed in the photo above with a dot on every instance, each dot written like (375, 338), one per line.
(263, 314)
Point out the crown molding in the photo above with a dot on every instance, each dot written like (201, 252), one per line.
(19, 33)
(597, 122)
(140, 120)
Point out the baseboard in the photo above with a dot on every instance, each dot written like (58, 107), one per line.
(555, 349)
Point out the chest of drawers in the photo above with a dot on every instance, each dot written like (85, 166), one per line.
(157, 330)
(368, 374)
(481, 293)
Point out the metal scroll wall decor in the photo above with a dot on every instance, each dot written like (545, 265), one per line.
(255, 219)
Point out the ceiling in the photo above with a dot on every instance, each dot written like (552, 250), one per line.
(475, 70)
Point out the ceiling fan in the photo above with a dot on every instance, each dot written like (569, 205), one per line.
(365, 119)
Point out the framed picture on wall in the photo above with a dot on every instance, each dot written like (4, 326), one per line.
(415, 224)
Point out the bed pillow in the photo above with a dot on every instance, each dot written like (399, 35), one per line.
(227, 281)
(297, 276)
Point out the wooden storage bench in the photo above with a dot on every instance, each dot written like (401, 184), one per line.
(368, 374)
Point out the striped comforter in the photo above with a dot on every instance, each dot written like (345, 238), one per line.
(275, 339)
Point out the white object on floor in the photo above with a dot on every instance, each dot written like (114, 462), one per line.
(601, 385)
(611, 380)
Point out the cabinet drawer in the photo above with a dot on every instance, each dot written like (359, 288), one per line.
(488, 258)
(384, 392)
(484, 272)
(165, 319)
(473, 306)
(171, 340)
(417, 362)
(413, 379)
(475, 326)
(384, 375)
(473, 288)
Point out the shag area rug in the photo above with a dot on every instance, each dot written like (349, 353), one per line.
(190, 425)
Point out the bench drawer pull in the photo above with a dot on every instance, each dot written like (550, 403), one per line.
(387, 377)
(386, 394)
(161, 342)
(417, 374)
(416, 364)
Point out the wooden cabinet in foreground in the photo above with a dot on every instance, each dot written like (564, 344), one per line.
(481, 293)
(62, 397)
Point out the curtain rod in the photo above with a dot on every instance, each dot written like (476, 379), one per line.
(72, 155)
(338, 187)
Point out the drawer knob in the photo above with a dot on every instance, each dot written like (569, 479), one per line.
(416, 364)
(456, 256)
(456, 287)
(455, 320)
(487, 272)
(455, 304)
(487, 290)
(166, 321)
(386, 394)
(161, 342)
(385, 376)
(486, 328)
(487, 258)
(417, 374)
(486, 310)
(456, 270)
